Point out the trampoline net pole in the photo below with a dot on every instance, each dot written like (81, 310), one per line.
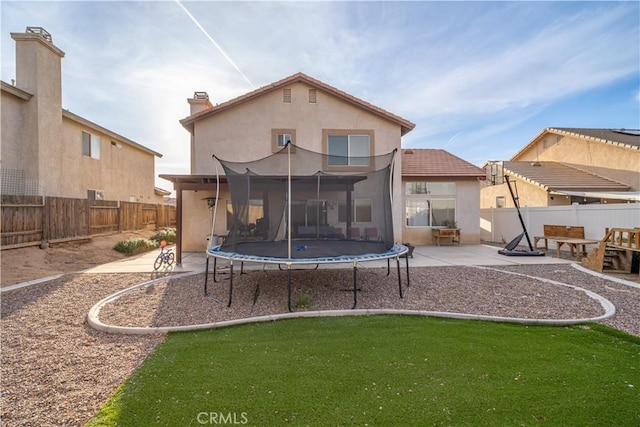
(289, 201)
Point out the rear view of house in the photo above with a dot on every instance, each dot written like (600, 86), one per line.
(298, 109)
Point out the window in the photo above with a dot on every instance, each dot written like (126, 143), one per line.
(312, 96)
(500, 200)
(309, 212)
(280, 137)
(286, 96)
(283, 139)
(429, 204)
(361, 210)
(90, 145)
(348, 149)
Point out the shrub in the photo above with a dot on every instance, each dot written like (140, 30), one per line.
(135, 246)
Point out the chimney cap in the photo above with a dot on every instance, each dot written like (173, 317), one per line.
(40, 31)
(201, 95)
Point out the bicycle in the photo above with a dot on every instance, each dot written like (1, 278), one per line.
(164, 257)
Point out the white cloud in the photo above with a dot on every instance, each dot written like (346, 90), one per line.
(486, 69)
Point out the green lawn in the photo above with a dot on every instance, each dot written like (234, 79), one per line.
(385, 371)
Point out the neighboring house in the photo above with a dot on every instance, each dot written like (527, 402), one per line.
(300, 109)
(439, 187)
(561, 166)
(49, 151)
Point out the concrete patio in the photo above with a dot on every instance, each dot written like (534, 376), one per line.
(423, 256)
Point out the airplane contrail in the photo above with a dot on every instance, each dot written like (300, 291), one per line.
(195, 21)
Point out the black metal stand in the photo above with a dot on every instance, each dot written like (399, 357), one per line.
(355, 285)
(289, 290)
(206, 276)
(510, 249)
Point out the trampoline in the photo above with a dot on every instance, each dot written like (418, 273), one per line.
(297, 207)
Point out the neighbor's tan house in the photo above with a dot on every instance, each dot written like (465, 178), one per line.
(309, 113)
(49, 151)
(561, 166)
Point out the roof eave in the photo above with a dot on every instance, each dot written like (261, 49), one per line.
(74, 117)
(405, 125)
(17, 92)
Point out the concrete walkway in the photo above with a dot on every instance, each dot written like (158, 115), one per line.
(423, 256)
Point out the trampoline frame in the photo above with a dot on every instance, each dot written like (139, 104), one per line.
(397, 251)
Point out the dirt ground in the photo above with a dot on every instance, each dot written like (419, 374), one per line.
(24, 264)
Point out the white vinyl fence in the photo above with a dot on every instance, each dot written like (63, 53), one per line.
(501, 225)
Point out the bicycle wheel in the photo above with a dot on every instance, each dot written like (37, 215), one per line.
(171, 258)
(158, 263)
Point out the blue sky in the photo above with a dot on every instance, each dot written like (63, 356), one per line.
(479, 79)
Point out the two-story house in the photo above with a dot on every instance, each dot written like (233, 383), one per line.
(321, 118)
(561, 166)
(49, 151)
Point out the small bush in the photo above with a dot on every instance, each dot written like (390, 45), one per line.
(303, 302)
(135, 246)
(168, 234)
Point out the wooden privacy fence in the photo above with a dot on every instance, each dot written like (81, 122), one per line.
(30, 220)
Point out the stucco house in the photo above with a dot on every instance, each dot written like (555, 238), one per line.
(315, 116)
(49, 151)
(561, 166)
(439, 187)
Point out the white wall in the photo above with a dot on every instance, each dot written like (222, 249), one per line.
(502, 225)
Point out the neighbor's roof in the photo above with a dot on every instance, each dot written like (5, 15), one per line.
(405, 124)
(74, 117)
(15, 91)
(556, 176)
(431, 162)
(627, 138)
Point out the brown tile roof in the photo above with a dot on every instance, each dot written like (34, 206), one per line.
(430, 162)
(556, 176)
(405, 124)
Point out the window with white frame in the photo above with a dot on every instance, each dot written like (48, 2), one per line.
(90, 145)
(429, 204)
(348, 149)
(361, 210)
(280, 137)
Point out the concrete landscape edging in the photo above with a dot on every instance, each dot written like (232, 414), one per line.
(94, 313)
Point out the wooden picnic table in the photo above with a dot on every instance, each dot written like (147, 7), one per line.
(573, 246)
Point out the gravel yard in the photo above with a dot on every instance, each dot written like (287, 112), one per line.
(56, 370)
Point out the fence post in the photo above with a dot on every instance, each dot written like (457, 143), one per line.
(119, 217)
(46, 232)
(493, 233)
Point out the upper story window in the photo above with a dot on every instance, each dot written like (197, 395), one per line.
(90, 145)
(280, 137)
(312, 96)
(348, 148)
(286, 96)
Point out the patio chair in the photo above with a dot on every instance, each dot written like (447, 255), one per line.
(370, 233)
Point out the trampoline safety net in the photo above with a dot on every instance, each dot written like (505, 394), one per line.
(298, 203)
